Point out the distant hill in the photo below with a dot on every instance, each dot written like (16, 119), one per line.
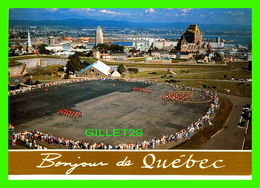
(113, 23)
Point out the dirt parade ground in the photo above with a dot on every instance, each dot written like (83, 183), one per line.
(105, 105)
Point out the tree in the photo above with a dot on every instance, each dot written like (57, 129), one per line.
(103, 48)
(74, 64)
(132, 70)
(121, 68)
(217, 57)
(116, 48)
(133, 50)
(42, 49)
(37, 82)
(28, 82)
(199, 56)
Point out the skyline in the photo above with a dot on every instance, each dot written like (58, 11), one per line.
(157, 15)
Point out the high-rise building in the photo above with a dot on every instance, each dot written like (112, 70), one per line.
(29, 40)
(29, 44)
(99, 36)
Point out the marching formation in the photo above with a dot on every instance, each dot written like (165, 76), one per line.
(70, 113)
(143, 90)
(176, 96)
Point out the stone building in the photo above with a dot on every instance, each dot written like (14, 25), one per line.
(191, 41)
(96, 69)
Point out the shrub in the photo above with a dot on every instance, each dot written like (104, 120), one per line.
(133, 70)
(28, 82)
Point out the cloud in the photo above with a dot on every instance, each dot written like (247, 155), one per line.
(112, 12)
(51, 9)
(235, 13)
(150, 10)
(186, 10)
(81, 10)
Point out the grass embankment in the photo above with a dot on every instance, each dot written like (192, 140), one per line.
(12, 61)
(241, 89)
(149, 74)
(88, 59)
(220, 75)
(137, 59)
(218, 121)
(49, 73)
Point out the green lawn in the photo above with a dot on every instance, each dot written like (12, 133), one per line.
(90, 60)
(47, 70)
(148, 74)
(216, 75)
(236, 88)
(238, 64)
(137, 59)
(171, 66)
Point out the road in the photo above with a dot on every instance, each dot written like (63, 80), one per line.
(231, 137)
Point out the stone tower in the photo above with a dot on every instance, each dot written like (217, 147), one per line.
(191, 40)
(99, 35)
(192, 34)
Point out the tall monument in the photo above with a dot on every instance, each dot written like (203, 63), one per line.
(29, 44)
(99, 35)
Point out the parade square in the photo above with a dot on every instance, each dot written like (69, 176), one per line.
(106, 105)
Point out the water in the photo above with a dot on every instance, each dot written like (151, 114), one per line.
(243, 40)
(124, 43)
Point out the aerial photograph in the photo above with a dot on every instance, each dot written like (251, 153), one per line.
(130, 79)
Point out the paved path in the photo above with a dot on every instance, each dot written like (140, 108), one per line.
(231, 137)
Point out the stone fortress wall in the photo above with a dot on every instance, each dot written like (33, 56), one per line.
(30, 63)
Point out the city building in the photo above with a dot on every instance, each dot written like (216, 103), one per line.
(191, 41)
(118, 55)
(51, 40)
(99, 36)
(106, 57)
(96, 54)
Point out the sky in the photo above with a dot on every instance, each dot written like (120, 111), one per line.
(163, 15)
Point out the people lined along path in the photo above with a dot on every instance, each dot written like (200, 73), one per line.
(27, 88)
(142, 90)
(30, 138)
(70, 113)
(176, 96)
(10, 127)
